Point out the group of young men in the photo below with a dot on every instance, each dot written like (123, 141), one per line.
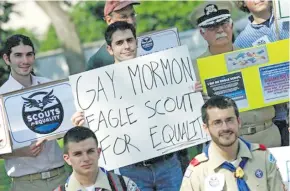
(228, 162)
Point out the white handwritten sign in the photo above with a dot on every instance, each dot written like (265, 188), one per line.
(42, 111)
(282, 9)
(5, 146)
(157, 41)
(282, 156)
(141, 108)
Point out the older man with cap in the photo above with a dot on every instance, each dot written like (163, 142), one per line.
(216, 27)
(114, 11)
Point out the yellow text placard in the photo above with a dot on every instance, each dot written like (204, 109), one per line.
(254, 77)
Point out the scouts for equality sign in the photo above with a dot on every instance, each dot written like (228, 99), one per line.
(141, 108)
(42, 111)
(254, 77)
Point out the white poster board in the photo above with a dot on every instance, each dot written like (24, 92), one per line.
(282, 155)
(157, 41)
(5, 146)
(141, 108)
(282, 9)
(42, 111)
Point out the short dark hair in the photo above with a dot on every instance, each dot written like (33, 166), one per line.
(220, 102)
(119, 25)
(77, 134)
(13, 41)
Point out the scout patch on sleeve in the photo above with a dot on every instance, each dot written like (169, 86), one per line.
(187, 173)
(272, 158)
(132, 186)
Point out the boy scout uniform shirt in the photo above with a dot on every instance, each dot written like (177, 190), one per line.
(51, 155)
(260, 172)
(102, 183)
(257, 126)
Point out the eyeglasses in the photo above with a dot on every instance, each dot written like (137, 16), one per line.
(224, 24)
(122, 17)
(219, 123)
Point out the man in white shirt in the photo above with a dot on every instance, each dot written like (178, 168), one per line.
(39, 166)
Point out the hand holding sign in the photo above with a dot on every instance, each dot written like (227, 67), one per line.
(78, 118)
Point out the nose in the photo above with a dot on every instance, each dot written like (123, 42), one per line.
(220, 29)
(126, 45)
(24, 59)
(85, 157)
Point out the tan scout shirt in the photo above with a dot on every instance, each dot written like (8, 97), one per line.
(102, 182)
(261, 173)
(259, 120)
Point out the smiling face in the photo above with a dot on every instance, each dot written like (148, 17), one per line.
(20, 60)
(219, 35)
(257, 6)
(223, 126)
(123, 46)
(83, 156)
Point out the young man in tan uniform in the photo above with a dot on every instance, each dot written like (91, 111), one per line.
(229, 163)
(216, 27)
(82, 153)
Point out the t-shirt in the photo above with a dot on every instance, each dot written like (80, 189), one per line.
(92, 188)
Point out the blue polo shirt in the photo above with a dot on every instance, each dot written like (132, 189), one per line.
(257, 34)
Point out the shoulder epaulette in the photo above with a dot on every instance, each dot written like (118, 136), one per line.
(198, 159)
(260, 147)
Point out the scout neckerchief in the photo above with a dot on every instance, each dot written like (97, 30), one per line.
(238, 172)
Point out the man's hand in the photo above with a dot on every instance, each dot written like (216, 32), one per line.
(198, 88)
(78, 118)
(34, 149)
(30, 151)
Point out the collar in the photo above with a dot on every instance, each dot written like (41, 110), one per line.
(17, 85)
(266, 23)
(101, 182)
(215, 159)
(208, 53)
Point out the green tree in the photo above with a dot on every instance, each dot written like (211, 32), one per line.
(5, 11)
(157, 15)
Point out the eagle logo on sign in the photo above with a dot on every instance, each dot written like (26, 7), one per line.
(42, 112)
(48, 98)
(210, 9)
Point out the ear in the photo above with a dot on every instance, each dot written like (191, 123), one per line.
(205, 128)
(239, 122)
(99, 152)
(110, 50)
(108, 19)
(66, 158)
(201, 31)
(6, 59)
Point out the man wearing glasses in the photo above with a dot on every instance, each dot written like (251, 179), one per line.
(229, 162)
(114, 11)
